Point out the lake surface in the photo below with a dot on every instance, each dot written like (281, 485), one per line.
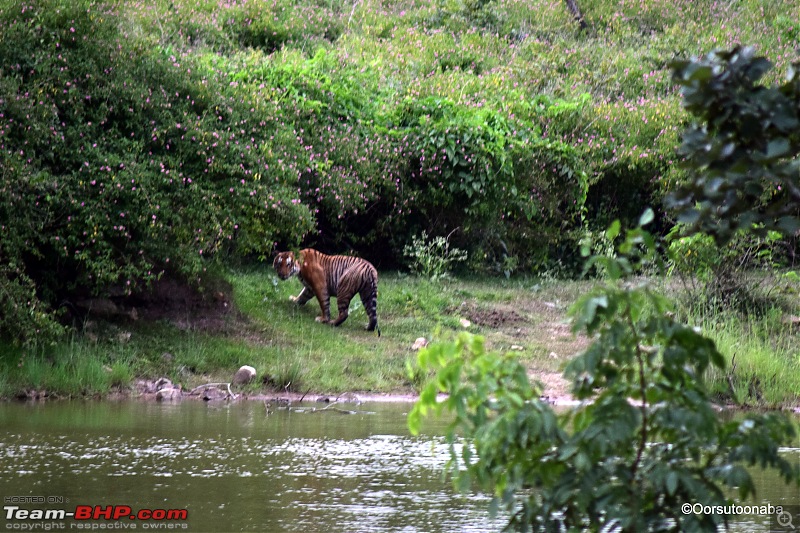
(233, 467)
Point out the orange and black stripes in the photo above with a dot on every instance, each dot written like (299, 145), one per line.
(340, 276)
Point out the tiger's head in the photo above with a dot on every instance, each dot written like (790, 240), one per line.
(286, 265)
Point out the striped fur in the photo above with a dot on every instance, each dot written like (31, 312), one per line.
(340, 276)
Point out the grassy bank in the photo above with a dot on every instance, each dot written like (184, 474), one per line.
(763, 361)
(291, 352)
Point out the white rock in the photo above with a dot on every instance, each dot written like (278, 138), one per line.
(244, 375)
(420, 343)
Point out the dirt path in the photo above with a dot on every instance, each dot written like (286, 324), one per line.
(540, 330)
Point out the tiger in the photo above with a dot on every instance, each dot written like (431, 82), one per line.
(324, 276)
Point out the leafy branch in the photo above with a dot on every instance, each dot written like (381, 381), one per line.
(640, 381)
(743, 149)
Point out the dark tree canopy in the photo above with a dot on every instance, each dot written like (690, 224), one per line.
(743, 149)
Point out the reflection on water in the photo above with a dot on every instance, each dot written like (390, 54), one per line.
(236, 469)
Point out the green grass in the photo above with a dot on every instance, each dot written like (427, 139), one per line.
(73, 369)
(348, 357)
(292, 352)
(762, 356)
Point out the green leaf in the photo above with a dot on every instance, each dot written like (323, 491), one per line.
(777, 148)
(672, 482)
(567, 451)
(588, 310)
(647, 217)
(613, 230)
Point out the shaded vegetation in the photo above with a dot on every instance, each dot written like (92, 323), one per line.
(139, 139)
(646, 438)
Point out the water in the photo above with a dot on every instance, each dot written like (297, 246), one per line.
(232, 467)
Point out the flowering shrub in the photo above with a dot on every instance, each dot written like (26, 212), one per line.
(121, 161)
(460, 156)
(140, 137)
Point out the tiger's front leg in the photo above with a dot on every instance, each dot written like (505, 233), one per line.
(305, 295)
(324, 300)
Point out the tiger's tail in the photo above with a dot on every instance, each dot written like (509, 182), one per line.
(370, 299)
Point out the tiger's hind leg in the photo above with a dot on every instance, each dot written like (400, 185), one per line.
(348, 284)
(369, 298)
(343, 303)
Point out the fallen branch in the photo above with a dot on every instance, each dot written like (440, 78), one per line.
(352, 11)
(331, 406)
(304, 395)
(572, 5)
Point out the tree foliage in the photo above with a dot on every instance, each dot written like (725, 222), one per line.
(742, 151)
(646, 441)
(118, 163)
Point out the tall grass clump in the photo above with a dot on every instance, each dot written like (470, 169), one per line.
(763, 368)
(76, 371)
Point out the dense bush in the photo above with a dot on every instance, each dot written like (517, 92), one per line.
(473, 169)
(741, 276)
(137, 134)
(121, 161)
